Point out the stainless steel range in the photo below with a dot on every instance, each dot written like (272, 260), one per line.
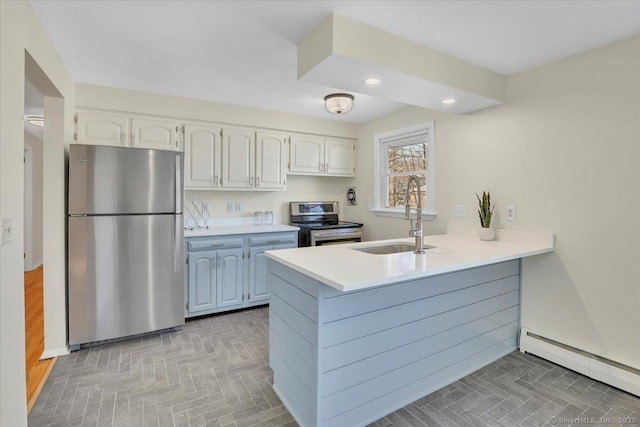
(319, 224)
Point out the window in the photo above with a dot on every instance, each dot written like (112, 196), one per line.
(397, 155)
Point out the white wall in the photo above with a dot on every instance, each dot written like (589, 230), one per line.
(565, 150)
(298, 187)
(21, 31)
(36, 225)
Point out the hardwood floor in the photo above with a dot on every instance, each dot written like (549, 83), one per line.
(37, 370)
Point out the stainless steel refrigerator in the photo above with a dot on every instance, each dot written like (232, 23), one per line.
(126, 262)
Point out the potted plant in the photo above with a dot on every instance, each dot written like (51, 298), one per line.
(485, 211)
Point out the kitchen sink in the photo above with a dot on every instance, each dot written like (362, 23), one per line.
(393, 248)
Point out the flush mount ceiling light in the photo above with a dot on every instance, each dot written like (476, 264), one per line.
(372, 81)
(448, 101)
(35, 120)
(339, 103)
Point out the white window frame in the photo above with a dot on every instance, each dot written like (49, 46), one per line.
(423, 132)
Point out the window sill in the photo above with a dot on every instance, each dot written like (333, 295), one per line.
(427, 216)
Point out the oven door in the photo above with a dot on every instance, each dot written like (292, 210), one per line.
(334, 237)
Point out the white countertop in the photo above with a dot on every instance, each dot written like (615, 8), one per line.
(346, 269)
(225, 230)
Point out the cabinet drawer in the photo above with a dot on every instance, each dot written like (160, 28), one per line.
(202, 243)
(273, 239)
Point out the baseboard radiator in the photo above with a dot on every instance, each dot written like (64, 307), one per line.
(593, 366)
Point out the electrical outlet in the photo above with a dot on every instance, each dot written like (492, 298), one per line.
(229, 206)
(370, 206)
(461, 211)
(7, 230)
(238, 206)
(510, 213)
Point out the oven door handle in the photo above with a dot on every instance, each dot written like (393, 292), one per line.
(338, 234)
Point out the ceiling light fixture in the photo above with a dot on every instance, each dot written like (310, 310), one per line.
(448, 101)
(35, 120)
(339, 103)
(372, 81)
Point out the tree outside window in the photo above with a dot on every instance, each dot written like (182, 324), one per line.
(399, 154)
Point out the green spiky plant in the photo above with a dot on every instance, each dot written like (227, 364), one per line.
(485, 209)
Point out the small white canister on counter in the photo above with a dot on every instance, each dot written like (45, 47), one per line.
(257, 218)
(268, 218)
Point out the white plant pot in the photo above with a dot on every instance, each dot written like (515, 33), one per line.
(486, 234)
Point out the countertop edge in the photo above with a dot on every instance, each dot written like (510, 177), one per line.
(228, 230)
(537, 248)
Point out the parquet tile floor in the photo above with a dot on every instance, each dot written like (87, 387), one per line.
(215, 373)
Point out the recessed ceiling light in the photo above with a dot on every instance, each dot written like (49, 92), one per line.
(372, 81)
(35, 120)
(448, 101)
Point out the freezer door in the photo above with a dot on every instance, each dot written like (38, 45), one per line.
(126, 275)
(120, 180)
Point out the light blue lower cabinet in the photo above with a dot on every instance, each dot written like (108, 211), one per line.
(259, 274)
(230, 277)
(349, 358)
(230, 272)
(202, 281)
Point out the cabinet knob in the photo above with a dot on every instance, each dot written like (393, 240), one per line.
(257, 181)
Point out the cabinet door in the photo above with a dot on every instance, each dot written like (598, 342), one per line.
(259, 274)
(238, 153)
(202, 281)
(271, 160)
(158, 134)
(102, 129)
(340, 157)
(230, 267)
(306, 154)
(202, 156)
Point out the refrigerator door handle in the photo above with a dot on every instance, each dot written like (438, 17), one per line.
(177, 245)
(178, 184)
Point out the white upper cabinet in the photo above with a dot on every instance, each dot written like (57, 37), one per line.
(307, 154)
(102, 129)
(202, 164)
(157, 133)
(219, 157)
(234, 158)
(238, 157)
(311, 155)
(124, 130)
(271, 160)
(339, 157)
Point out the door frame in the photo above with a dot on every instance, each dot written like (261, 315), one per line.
(28, 209)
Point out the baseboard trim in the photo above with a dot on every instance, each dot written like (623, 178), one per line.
(55, 352)
(593, 366)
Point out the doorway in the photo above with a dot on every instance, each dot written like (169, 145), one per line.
(36, 369)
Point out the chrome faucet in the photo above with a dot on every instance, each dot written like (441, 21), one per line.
(418, 231)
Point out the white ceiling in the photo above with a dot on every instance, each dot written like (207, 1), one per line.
(244, 52)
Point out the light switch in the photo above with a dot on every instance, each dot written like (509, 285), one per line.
(238, 206)
(7, 230)
(229, 206)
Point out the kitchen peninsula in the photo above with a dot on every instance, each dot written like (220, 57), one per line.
(356, 335)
